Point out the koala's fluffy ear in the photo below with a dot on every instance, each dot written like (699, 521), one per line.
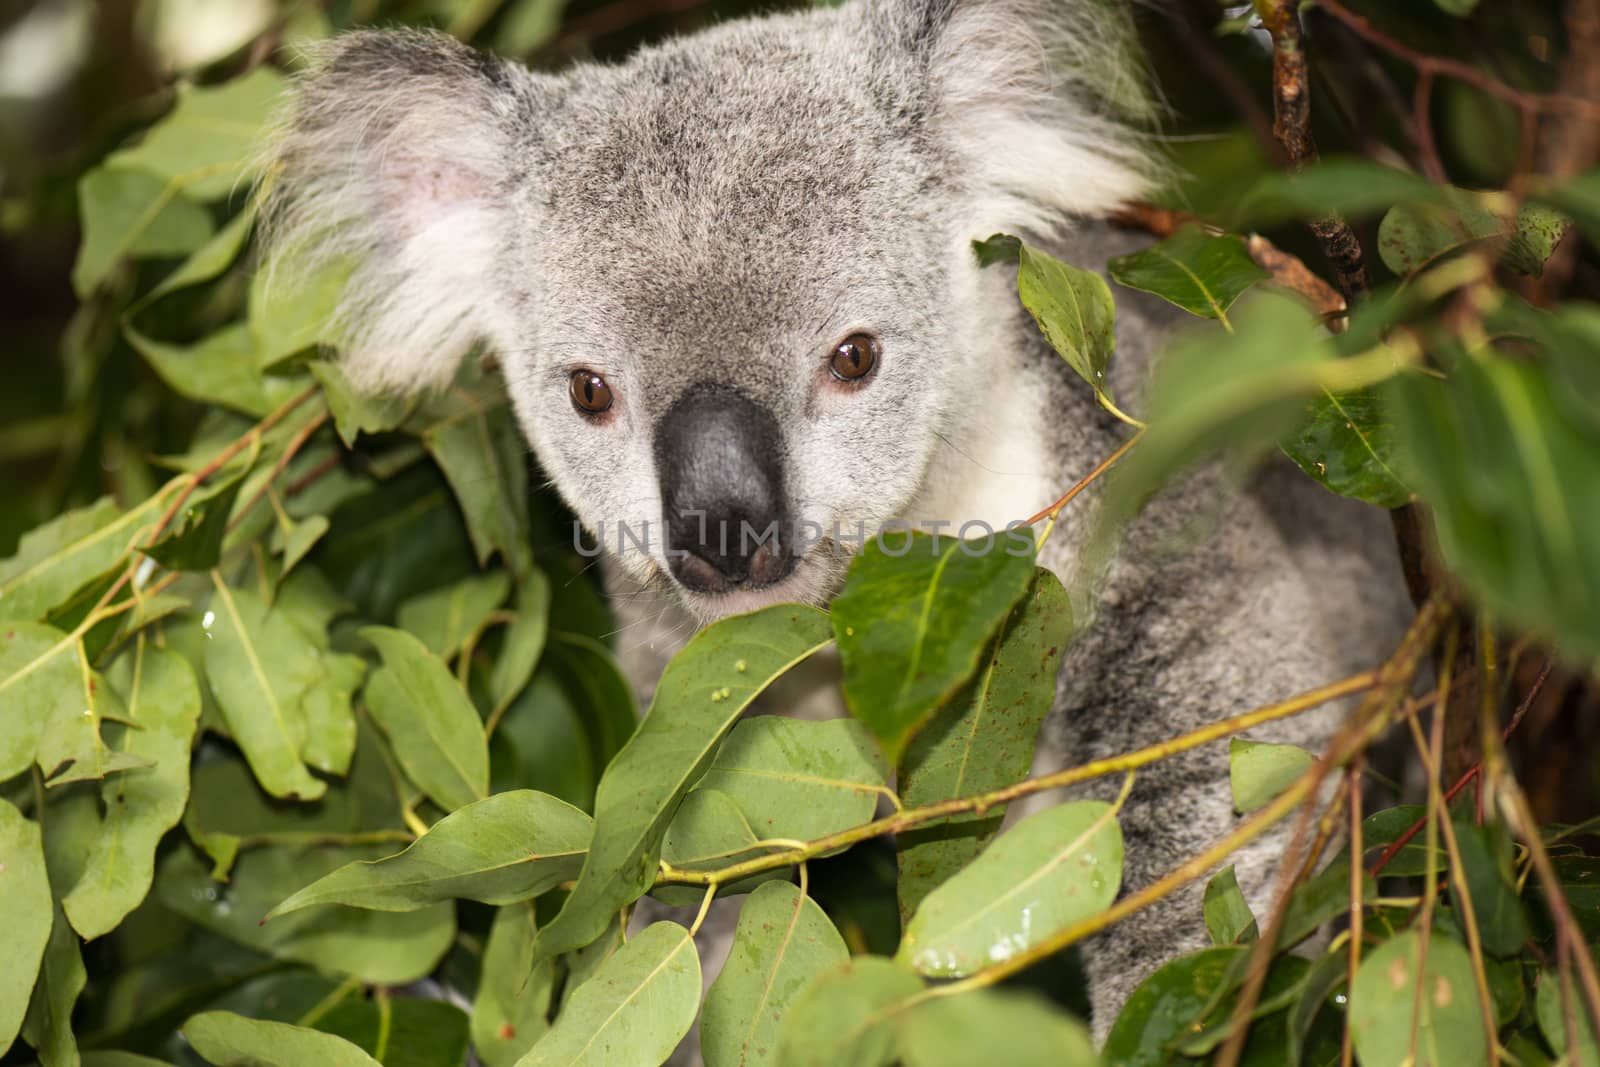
(394, 152)
(1043, 100)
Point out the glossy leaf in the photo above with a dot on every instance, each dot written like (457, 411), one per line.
(983, 739)
(799, 779)
(379, 947)
(1199, 272)
(700, 695)
(444, 619)
(1229, 920)
(25, 920)
(1439, 1028)
(635, 1009)
(1072, 306)
(230, 1040)
(1412, 236)
(847, 1017)
(1347, 443)
(1258, 771)
(161, 698)
(1165, 1006)
(55, 560)
(128, 212)
(259, 666)
(511, 1009)
(436, 733)
(507, 848)
(783, 941)
(912, 621)
(990, 1026)
(1054, 868)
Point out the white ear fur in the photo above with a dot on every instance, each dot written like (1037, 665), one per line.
(1041, 99)
(392, 154)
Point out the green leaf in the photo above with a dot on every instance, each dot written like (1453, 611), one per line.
(25, 920)
(541, 741)
(207, 261)
(1165, 1007)
(128, 212)
(1486, 862)
(162, 700)
(1325, 895)
(1258, 771)
(990, 1026)
(292, 308)
(506, 848)
(57, 559)
(1072, 306)
(483, 457)
(195, 544)
(355, 412)
(1459, 8)
(700, 695)
(259, 666)
(1412, 236)
(381, 948)
(912, 622)
(982, 740)
(435, 731)
(298, 539)
(219, 369)
(783, 941)
(1052, 869)
(1229, 919)
(512, 1007)
(1388, 1021)
(846, 1017)
(444, 619)
(329, 710)
(593, 677)
(708, 831)
(1513, 483)
(207, 144)
(524, 643)
(635, 1009)
(1353, 188)
(48, 1025)
(54, 705)
(1239, 391)
(1552, 1005)
(1201, 273)
(230, 1040)
(799, 779)
(1348, 444)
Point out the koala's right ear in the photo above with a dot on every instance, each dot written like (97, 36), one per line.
(395, 152)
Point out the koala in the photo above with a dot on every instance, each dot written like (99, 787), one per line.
(731, 286)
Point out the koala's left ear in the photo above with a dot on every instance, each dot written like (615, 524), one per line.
(395, 152)
(1043, 99)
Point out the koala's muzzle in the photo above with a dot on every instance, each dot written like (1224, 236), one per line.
(719, 458)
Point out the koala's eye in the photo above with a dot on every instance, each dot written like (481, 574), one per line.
(590, 393)
(855, 358)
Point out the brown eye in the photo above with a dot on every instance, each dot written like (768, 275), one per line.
(855, 358)
(590, 393)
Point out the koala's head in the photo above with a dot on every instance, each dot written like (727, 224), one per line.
(729, 281)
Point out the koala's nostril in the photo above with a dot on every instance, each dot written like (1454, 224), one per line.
(719, 458)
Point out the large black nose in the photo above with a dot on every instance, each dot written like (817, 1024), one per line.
(719, 458)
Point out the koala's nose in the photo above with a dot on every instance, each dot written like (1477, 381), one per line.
(719, 458)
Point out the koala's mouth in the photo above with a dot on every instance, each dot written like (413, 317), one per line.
(812, 578)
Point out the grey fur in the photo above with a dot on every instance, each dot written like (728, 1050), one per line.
(725, 208)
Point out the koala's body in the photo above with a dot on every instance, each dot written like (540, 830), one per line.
(730, 283)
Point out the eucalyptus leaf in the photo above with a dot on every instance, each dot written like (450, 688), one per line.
(131, 212)
(990, 1026)
(1347, 442)
(847, 1017)
(25, 920)
(700, 695)
(445, 618)
(54, 705)
(1390, 1022)
(1258, 771)
(435, 731)
(783, 941)
(48, 1025)
(230, 1040)
(635, 1009)
(982, 739)
(482, 454)
(511, 1010)
(162, 701)
(55, 560)
(504, 849)
(1054, 868)
(1229, 920)
(1201, 273)
(912, 621)
(355, 412)
(219, 369)
(523, 642)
